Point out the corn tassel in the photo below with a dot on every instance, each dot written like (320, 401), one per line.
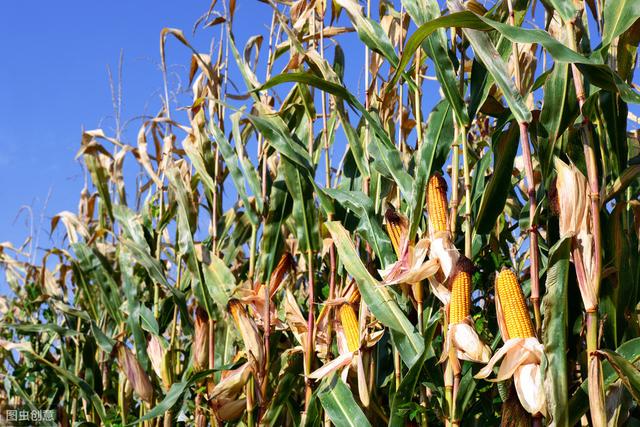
(514, 309)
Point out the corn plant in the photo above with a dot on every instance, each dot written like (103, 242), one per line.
(452, 240)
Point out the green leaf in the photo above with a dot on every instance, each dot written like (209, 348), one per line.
(133, 304)
(579, 402)
(435, 45)
(369, 31)
(185, 242)
(334, 89)
(438, 139)
(495, 194)
(173, 395)
(411, 379)
(355, 144)
(598, 73)
(280, 203)
(378, 298)
(304, 211)
(104, 342)
(279, 136)
(618, 16)
(41, 328)
(249, 171)
(389, 158)
(85, 389)
(554, 332)
(369, 226)
(486, 52)
(565, 9)
(560, 107)
(338, 401)
(231, 161)
(93, 264)
(219, 280)
(628, 373)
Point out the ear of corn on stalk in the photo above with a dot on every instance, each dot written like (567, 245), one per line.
(200, 349)
(437, 205)
(350, 326)
(397, 227)
(522, 352)
(461, 336)
(513, 306)
(460, 305)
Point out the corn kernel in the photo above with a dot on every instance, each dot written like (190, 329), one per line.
(460, 306)
(514, 308)
(437, 206)
(350, 326)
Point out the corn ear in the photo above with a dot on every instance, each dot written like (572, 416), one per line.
(397, 227)
(200, 350)
(134, 372)
(285, 265)
(437, 205)
(513, 306)
(460, 305)
(350, 325)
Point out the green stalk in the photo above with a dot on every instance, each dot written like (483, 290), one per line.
(596, 394)
(465, 162)
(531, 190)
(455, 176)
(418, 114)
(310, 328)
(249, 390)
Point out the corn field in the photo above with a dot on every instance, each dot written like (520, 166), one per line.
(453, 239)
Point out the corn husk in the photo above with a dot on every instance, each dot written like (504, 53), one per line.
(200, 350)
(134, 373)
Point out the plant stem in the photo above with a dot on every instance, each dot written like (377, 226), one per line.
(310, 331)
(212, 362)
(327, 159)
(249, 390)
(455, 171)
(596, 394)
(531, 189)
(465, 160)
(533, 232)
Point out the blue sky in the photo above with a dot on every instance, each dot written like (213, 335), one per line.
(54, 81)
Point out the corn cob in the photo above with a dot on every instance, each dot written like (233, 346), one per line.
(355, 296)
(282, 269)
(437, 203)
(201, 340)
(514, 309)
(350, 326)
(396, 228)
(460, 305)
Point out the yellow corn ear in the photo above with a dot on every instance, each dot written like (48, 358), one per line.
(355, 296)
(396, 228)
(350, 326)
(514, 308)
(437, 206)
(284, 266)
(460, 305)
